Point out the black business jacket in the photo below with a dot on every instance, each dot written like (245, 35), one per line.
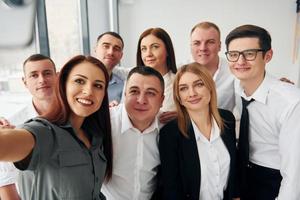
(180, 164)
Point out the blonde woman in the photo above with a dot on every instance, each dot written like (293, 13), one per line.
(198, 149)
(68, 150)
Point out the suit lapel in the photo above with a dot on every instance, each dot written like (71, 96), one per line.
(192, 172)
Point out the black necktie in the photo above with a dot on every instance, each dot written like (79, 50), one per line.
(243, 145)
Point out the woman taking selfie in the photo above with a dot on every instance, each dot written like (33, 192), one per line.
(67, 151)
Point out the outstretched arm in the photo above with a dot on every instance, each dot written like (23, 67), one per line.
(15, 144)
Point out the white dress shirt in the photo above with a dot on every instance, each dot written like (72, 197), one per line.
(23, 114)
(224, 85)
(214, 163)
(135, 160)
(274, 131)
(168, 103)
(8, 172)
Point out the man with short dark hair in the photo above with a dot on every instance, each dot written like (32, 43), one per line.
(40, 79)
(109, 50)
(135, 129)
(268, 149)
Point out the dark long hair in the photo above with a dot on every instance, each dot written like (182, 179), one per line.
(164, 36)
(60, 111)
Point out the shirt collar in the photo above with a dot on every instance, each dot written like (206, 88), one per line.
(261, 93)
(114, 79)
(218, 70)
(215, 132)
(95, 137)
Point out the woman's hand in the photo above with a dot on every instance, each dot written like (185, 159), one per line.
(113, 103)
(4, 123)
(165, 117)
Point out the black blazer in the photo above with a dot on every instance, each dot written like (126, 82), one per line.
(180, 164)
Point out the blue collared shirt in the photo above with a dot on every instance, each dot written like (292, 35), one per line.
(115, 88)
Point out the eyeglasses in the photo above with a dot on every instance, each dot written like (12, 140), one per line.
(249, 54)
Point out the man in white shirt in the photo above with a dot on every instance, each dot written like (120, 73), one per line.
(272, 166)
(205, 46)
(39, 78)
(135, 129)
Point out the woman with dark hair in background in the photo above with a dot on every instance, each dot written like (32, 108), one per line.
(69, 149)
(155, 49)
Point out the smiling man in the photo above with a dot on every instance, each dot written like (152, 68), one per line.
(205, 41)
(109, 50)
(40, 79)
(135, 129)
(268, 150)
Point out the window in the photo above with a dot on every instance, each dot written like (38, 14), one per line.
(64, 30)
(64, 36)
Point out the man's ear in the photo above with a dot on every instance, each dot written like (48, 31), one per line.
(220, 46)
(24, 81)
(162, 100)
(95, 50)
(268, 56)
(121, 55)
(56, 77)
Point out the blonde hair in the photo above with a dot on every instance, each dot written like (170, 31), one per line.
(206, 25)
(204, 75)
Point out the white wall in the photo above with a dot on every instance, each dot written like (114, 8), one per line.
(177, 17)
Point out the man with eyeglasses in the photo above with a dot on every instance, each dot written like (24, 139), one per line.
(272, 169)
(205, 39)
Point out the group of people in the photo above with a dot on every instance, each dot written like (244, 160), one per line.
(155, 131)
